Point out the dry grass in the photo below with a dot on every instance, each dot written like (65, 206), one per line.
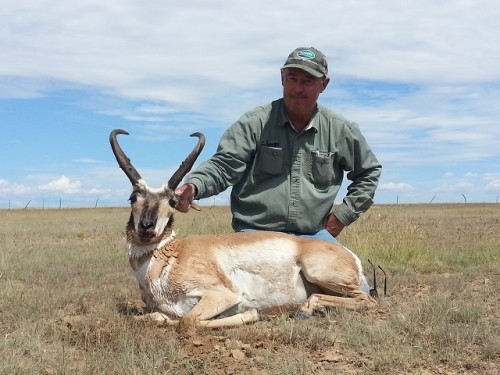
(64, 274)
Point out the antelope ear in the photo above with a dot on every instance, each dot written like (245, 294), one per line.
(174, 201)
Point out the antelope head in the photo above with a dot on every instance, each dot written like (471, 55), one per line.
(151, 217)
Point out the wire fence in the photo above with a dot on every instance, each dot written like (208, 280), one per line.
(214, 201)
(60, 203)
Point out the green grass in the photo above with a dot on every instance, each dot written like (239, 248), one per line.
(64, 274)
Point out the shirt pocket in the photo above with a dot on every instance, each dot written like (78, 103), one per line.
(271, 160)
(322, 173)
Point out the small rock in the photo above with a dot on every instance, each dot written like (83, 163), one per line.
(238, 354)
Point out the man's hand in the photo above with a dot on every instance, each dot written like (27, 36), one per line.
(333, 225)
(186, 194)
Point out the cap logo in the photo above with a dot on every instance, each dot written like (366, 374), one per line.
(306, 54)
(308, 59)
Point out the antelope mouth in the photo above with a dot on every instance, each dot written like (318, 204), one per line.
(147, 233)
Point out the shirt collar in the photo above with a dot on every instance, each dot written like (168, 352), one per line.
(286, 120)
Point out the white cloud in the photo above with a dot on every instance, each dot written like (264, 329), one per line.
(492, 182)
(99, 192)
(147, 50)
(7, 188)
(88, 161)
(63, 185)
(397, 187)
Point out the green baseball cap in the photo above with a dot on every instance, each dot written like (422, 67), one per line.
(309, 59)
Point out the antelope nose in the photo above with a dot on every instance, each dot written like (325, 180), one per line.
(146, 224)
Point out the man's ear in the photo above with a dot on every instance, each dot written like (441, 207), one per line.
(326, 81)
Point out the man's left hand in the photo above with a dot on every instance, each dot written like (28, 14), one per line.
(333, 225)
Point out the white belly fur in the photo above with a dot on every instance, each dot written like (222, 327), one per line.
(277, 283)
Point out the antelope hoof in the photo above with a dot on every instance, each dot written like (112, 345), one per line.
(320, 311)
(301, 314)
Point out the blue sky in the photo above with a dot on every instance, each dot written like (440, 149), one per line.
(421, 79)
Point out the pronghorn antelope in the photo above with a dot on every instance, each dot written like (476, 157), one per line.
(227, 279)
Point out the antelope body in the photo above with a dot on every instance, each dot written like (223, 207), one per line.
(227, 279)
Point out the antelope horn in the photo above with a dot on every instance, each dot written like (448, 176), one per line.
(374, 291)
(122, 159)
(187, 164)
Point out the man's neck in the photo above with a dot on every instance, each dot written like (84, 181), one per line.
(299, 128)
(301, 121)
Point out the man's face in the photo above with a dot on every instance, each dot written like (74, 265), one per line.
(301, 90)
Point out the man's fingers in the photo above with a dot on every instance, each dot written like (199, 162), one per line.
(195, 206)
(182, 203)
(184, 206)
(185, 195)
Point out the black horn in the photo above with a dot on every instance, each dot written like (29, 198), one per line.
(187, 164)
(122, 159)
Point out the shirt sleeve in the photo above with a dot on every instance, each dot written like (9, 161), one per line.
(363, 170)
(227, 166)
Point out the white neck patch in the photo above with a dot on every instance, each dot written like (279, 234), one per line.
(137, 251)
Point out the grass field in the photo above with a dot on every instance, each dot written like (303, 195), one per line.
(64, 276)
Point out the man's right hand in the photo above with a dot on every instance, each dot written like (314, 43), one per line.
(186, 194)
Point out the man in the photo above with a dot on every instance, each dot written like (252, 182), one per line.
(286, 161)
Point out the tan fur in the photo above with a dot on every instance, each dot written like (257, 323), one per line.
(205, 267)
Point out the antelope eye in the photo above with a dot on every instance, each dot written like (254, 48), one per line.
(135, 196)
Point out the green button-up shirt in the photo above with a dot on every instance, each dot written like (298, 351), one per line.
(284, 180)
